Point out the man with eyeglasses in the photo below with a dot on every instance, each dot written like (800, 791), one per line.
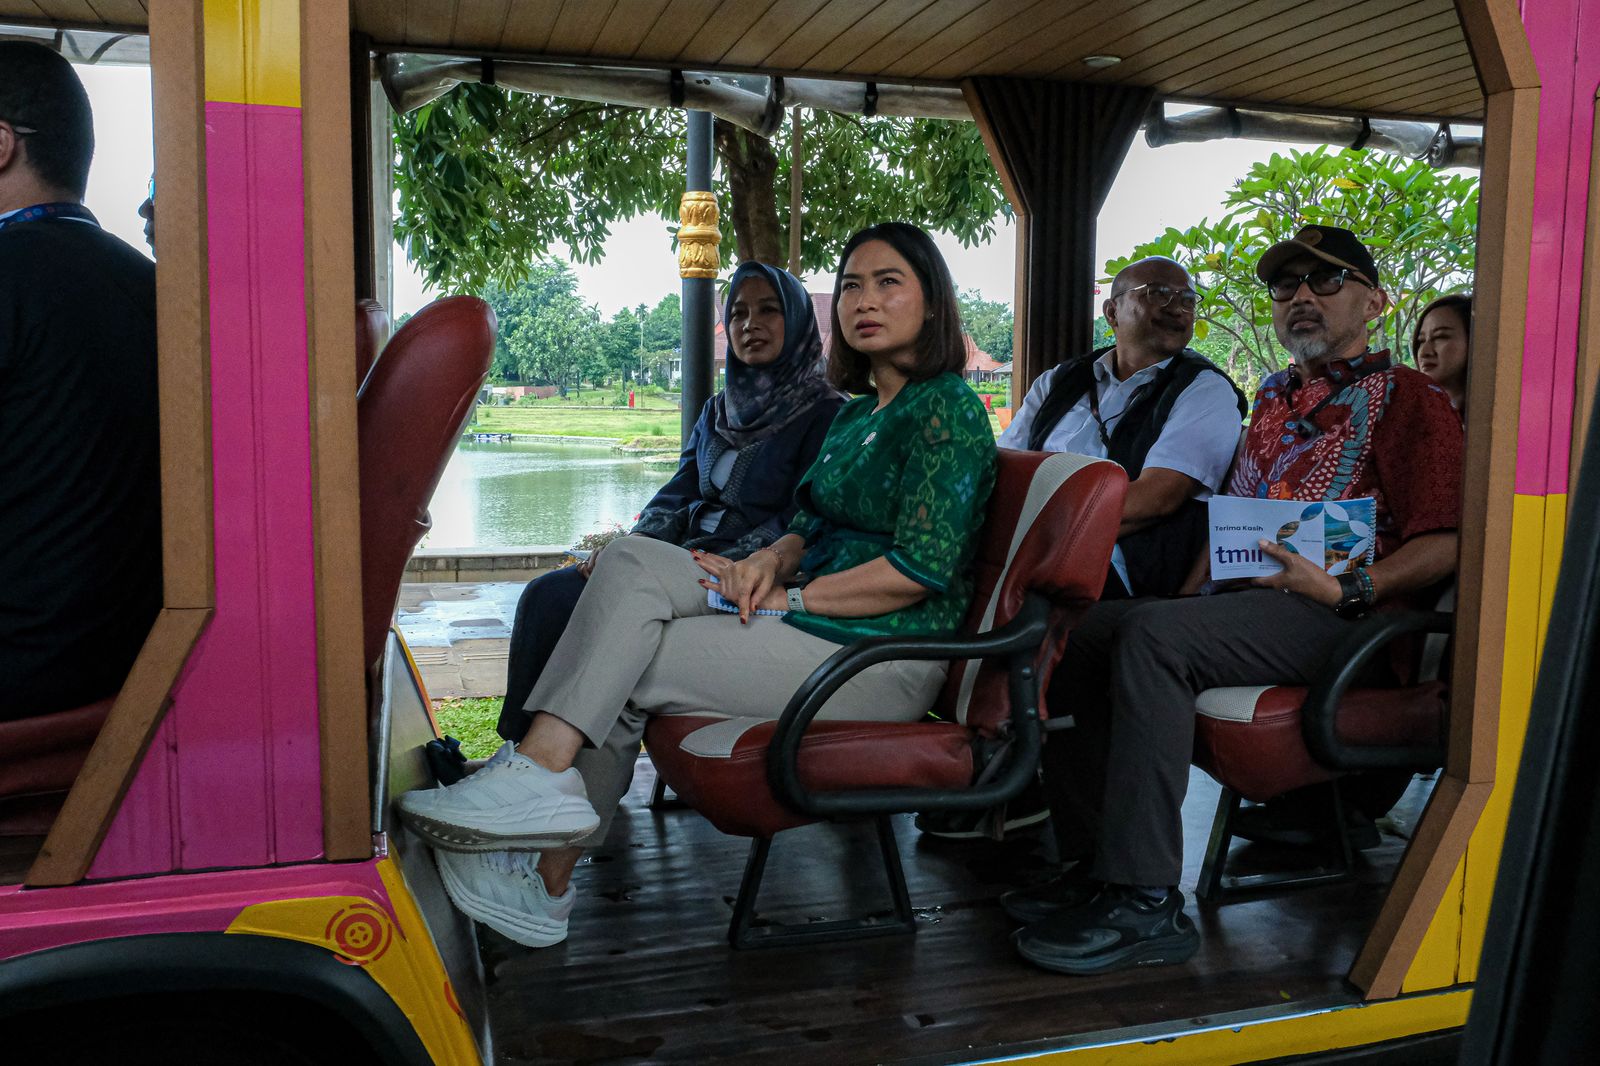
(1171, 419)
(1342, 422)
(1166, 413)
(79, 466)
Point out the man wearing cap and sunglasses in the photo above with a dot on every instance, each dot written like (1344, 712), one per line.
(1341, 422)
(79, 467)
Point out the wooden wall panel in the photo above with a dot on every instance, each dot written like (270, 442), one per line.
(673, 31)
(775, 26)
(1493, 406)
(432, 21)
(336, 478)
(840, 32)
(1386, 57)
(480, 23)
(1266, 60)
(528, 24)
(577, 26)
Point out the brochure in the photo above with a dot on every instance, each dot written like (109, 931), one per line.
(718, 602)
(1338, 533)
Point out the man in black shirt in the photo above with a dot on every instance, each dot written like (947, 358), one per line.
(80, 528)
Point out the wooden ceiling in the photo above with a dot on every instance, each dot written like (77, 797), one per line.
(1375, 57)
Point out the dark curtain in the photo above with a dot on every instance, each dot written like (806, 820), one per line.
(1058, 146)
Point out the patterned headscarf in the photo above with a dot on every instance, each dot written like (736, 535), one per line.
(760, 400)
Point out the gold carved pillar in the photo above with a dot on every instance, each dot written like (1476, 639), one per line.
(699, 235)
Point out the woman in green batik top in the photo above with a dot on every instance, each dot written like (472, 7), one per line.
(882, 545)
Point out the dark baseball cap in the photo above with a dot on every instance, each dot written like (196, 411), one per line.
(1332, 245)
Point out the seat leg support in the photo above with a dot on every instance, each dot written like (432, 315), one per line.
(1216, 887)
(1209, 887)
(747, 930)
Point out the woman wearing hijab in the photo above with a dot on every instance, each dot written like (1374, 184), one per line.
(733, 493)
(885, 535)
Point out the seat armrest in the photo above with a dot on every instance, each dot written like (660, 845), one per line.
(1320, 712)
(1017, 641)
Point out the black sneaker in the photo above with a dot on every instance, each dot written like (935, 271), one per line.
(1116, 929)
(1025, 906)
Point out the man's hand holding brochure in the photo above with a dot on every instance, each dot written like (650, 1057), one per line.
(1295, 545)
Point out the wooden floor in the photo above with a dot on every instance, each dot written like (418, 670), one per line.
(646, 974)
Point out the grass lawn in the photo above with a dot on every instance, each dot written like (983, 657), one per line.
(554, 421)
(621, 423)
(470, 721)
(601, 398)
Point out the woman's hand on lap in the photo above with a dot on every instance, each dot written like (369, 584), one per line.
(745, 583)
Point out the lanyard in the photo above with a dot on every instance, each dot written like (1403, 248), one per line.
(75, 212)
(1305, 425)
(1094, 403)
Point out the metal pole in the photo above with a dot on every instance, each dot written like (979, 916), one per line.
(698, 262)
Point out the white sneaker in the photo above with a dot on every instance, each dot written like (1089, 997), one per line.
(514, 805)
(504, 891)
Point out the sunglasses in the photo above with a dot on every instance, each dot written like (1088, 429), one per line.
(1321, 283)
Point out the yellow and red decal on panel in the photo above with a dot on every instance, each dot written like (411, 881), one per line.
(398, 952)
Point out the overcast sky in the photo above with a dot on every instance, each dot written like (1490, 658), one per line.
(1172, 186)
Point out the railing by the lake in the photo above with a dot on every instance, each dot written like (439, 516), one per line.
(491, 564)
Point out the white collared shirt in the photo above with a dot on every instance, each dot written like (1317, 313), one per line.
(1199, 438)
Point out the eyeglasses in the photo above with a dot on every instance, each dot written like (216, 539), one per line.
(18, 129)
(1321, 283)
(1163, 295)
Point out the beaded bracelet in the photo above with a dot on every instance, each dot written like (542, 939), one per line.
(1369, 593)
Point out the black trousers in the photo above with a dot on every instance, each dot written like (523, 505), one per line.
(542, 614)
(1129, 678)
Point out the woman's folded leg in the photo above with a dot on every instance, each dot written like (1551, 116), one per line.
(715, 664)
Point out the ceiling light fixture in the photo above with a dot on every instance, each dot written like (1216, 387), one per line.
(1101, 62)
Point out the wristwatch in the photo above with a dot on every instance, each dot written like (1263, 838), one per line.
(1353, 601)
(795, 602)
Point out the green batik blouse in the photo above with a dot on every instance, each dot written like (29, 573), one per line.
(909, 483)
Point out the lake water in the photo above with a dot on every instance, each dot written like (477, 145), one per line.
(522, 493)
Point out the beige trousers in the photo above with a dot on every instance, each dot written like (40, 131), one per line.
(643, 641)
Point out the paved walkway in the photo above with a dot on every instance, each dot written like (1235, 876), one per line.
(459, 634)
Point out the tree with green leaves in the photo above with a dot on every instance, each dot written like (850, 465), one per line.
(989, 323)
(547, 334)
(1420, 224)
(490, 180)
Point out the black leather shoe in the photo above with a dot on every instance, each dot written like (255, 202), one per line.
(1117, 929)
(1074, 888)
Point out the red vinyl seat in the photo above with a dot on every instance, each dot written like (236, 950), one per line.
(1041, 560)
(1260, 742)
(39, 759)
(411, 408)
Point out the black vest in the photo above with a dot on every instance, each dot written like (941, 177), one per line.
(1159, 556)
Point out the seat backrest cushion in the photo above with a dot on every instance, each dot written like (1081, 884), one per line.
(411, 409)
(39, 760)
(1052, 523)
(372, 333)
